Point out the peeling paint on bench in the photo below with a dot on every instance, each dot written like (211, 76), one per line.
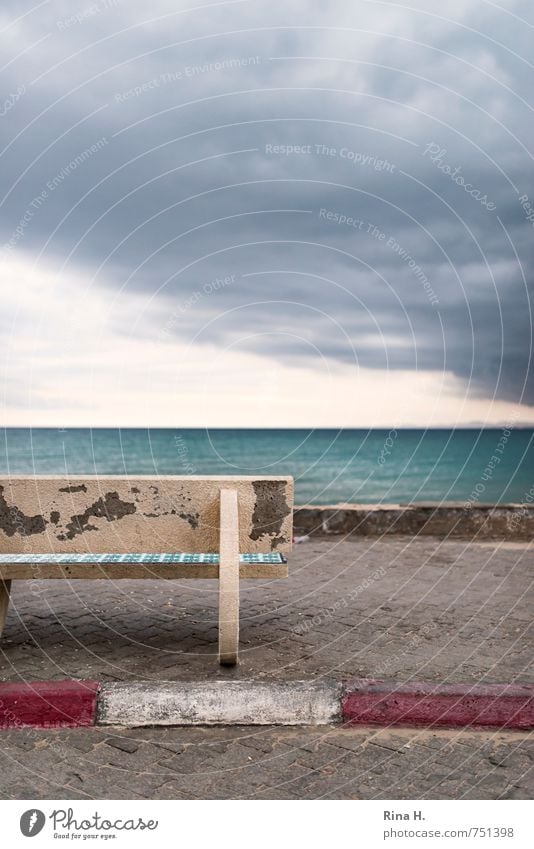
(14, 521)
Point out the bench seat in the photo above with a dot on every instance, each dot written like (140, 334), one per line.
(175, 557)
(170, 527)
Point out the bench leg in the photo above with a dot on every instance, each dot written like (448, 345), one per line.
(5, 589)
(229, 579)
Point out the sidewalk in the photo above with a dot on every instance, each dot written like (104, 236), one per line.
(399, 607)
(396, 607)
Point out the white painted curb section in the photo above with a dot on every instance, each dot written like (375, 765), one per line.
(219, 703)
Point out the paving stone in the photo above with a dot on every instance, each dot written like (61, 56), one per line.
(473, 624)
(125, 744)
(219, 763)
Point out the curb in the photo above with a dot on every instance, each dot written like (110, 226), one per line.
(75, 704)
(220, 703)
(370, 702)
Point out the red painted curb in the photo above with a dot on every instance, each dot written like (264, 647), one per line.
(48, 704)
(370, 702)
(73, 704)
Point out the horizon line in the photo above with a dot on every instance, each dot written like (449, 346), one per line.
(64, 429)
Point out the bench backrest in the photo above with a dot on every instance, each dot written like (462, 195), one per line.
(99, 514)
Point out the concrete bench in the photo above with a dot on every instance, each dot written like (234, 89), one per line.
(168, 527)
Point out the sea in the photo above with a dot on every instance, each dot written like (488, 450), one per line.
(329, 466)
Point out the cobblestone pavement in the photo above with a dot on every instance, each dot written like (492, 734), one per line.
(267, 763)
(394, 607)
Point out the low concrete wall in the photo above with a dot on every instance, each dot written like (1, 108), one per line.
(446, 519)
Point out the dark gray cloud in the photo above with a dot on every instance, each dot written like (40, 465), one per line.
(318, 152)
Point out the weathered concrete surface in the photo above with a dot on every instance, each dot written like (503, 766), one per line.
(120, 514)
(446, 519)
(220, 703)
(265, 763)
(403, 608)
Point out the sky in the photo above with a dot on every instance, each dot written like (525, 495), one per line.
(258, 214)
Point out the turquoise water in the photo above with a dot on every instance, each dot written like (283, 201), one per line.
(329, 466)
